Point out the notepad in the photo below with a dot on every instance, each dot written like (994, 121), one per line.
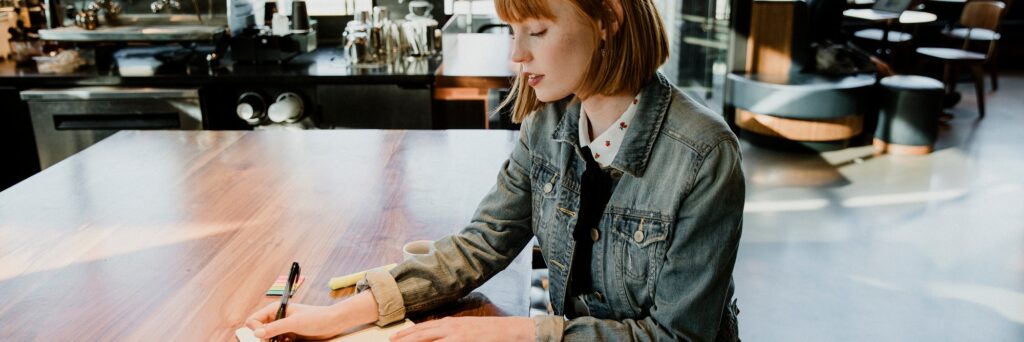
(244, 334)
(278, 288)
(366, 333)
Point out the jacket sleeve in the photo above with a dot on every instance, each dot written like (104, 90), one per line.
(499, 230)
(694, 286)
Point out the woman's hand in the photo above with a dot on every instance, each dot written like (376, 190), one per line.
(314, 322)
(469, 329)
(305, 321)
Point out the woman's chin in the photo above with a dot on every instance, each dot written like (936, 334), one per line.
(544, 96)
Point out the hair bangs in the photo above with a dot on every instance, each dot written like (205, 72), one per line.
(630, 57)
(517, 11)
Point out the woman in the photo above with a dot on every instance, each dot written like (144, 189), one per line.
(634, 191)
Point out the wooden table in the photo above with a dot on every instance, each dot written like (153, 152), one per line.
(175, 236)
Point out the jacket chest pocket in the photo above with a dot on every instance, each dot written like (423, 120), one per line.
(553, 209)
(544, 186)
(640, 245)
(639, 251)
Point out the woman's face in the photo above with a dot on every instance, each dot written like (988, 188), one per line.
(554, 54)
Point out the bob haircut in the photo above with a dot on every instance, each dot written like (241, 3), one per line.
(627, 60)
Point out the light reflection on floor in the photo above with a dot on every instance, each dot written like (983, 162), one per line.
(850, 246)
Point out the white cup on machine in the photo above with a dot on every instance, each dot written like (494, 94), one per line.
(287, 108)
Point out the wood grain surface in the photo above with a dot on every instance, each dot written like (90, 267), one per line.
(160, 236)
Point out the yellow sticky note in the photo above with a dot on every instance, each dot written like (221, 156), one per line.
(351, 279)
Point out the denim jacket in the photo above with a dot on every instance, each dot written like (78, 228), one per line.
(665, 246)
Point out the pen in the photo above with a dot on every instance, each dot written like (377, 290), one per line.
(293, 276)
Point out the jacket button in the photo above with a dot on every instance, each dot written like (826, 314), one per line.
(599, 296)
(595, 234)
(616, 174)
(548, 187)
(638, 236)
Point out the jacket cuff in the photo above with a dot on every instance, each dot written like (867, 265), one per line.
(548, 328)
(390, 306)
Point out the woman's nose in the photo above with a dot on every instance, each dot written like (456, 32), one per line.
(519, 53)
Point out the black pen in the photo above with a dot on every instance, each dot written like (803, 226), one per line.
(293, 276)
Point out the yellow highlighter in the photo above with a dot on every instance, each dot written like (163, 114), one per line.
(351, 279)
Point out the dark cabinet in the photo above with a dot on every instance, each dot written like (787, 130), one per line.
(382, 106)
(19, 160)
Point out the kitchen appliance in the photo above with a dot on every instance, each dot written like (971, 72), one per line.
(422, 37)
(419, 9)
(255, 46)
(139, 21)
(88, 17)
(66, 121)
(420, 29)
(360, 43)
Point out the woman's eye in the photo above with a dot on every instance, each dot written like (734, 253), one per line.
(539, 33)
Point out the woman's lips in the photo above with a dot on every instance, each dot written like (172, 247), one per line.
(533, 79)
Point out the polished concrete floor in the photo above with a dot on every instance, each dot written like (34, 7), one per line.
(849, 246)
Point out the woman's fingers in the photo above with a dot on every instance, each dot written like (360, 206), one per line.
(419, 332)
(278, 327)
(415, 329)
(423, 334)
(264, 325)
(253, 323)
(265, 314)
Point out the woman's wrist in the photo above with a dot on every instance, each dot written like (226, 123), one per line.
(527, 329)
(356, 310)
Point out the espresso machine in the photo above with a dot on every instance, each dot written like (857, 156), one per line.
(281, 37)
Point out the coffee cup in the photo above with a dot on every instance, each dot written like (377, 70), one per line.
(417, 248)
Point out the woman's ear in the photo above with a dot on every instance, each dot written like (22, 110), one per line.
(618, 14)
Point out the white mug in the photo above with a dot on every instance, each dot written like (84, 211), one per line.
(287, 108)
(417, 248)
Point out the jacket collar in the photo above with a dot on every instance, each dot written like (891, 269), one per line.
(633, 155)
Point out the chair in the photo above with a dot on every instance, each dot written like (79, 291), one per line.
(976, 15)
(980, 35)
